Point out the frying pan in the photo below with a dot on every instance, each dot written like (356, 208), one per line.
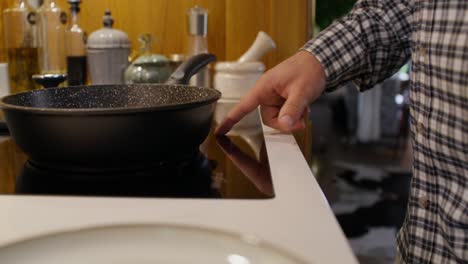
(113, 125)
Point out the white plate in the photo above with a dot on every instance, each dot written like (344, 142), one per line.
(142, 244)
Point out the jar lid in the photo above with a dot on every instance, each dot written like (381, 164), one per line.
(107, 37)
(151, 59)
(240, 67)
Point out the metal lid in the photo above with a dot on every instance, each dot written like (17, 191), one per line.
(197, 21)
(155, 59)
(107, 37)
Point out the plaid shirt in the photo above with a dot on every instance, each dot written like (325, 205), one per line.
(371, 43)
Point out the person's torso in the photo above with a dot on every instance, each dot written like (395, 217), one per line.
(436, 227)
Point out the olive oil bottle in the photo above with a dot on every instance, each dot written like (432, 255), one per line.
(19, 28)
(51, 23)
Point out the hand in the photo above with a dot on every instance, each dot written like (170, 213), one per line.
(283, 94)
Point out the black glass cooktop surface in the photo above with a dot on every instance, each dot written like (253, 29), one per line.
(234, 167)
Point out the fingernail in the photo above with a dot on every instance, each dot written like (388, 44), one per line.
(286, 120)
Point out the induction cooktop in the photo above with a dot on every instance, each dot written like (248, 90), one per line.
(232, 167)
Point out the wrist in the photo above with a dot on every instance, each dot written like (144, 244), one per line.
(317, 71)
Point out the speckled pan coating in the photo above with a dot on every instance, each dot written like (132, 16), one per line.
(102, 99)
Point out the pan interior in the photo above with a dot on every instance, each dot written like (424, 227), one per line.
(113, 96)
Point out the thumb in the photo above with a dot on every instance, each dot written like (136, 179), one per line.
(292, 110)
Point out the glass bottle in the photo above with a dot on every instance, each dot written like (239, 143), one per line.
(21, 46)
(75, 39)
(197, 23)
(51, 23)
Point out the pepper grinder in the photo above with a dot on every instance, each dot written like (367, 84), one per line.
(197, 24)
(75, 40)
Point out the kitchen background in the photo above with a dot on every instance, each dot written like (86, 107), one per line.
(360, 155)
(232, 27)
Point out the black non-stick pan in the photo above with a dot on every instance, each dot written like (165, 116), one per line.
(113, 125)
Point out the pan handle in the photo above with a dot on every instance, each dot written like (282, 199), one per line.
(190, 67)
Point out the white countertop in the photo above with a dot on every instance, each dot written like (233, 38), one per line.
(298, 219)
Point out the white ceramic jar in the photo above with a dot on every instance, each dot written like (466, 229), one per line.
(234, 80)
(108, 50)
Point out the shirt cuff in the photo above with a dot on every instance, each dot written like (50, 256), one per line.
(338, 50)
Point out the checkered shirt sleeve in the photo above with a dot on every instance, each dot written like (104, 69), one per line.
(367, 45)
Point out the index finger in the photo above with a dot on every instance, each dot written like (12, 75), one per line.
(247, 104)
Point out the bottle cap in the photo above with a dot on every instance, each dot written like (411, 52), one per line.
(197, 21)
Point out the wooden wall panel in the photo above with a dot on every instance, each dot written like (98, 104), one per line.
(165, 20)
(3, 5)
(288, 26)
(284, 21)
(233, 24)
(244, 18)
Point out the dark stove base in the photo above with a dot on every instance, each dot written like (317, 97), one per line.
(103, 166)
(190, 177)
